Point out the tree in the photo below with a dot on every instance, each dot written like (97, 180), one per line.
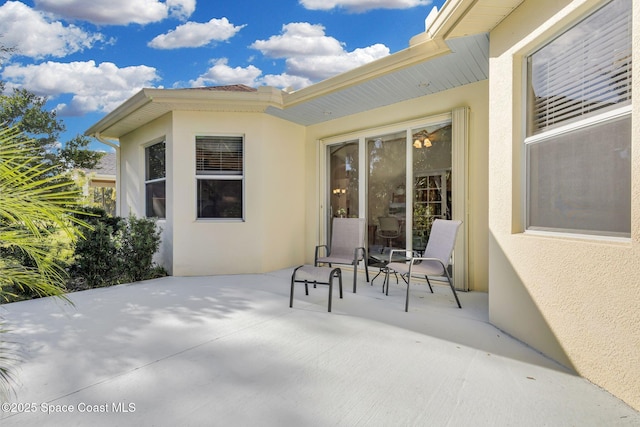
(41, 130)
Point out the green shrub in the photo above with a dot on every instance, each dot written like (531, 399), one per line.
(140, 240)
(96, 256)
(117, 250)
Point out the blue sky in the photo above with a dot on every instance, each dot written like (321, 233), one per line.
(87, 57)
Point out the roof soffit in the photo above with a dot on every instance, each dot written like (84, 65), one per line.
(459, 18)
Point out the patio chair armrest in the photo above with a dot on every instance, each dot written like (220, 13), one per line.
(408, 253)
(315, 259)
(420, 259)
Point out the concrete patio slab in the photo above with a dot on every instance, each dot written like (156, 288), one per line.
(228, 350)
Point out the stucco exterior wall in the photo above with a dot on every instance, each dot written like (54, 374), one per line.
(132, 179)
(574, 299)
(272, 235)
(473, 96)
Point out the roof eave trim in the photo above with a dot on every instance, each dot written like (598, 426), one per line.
(134, 103)
(424, 50)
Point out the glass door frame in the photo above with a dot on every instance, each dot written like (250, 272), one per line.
(459, 118)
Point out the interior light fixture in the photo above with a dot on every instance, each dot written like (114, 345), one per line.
(421, 139)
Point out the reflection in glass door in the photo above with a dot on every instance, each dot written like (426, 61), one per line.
(343, 181)
(386, 191)
(432, 197)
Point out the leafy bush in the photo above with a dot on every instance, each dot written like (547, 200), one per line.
(140, 239)
(117, 250)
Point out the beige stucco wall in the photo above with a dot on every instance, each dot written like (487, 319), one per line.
(132, 200)
(574, 299)
(473, 96)
(272, 235)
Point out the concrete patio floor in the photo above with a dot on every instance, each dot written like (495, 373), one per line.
(228, 351)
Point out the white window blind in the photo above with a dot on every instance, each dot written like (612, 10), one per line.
(587, 70)
(219, 155)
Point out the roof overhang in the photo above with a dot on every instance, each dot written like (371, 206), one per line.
(460, 18)
(150, 104)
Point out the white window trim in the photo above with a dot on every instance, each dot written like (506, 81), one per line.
(221, 177)
(589, 121)
(566, 23)
(151, 181)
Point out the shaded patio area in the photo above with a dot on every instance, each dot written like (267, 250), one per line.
(227, 350)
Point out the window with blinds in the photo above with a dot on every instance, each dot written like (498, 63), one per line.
(578, 139)
(220, 177)
(219, 155)
(584, 71)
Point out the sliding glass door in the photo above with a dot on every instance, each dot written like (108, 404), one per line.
(344, 180)
(401, 179)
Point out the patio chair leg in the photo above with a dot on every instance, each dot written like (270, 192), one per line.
(384, 279)
(355, 277)
(386, 282)
(330, 291)
(429, 283)
(293, 277)
(406, 304)
(455, 294)
(339, 274)
(291, 292)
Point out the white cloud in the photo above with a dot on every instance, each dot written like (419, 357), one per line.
(312, 55)
(285, 80)
(222, 74)
(119, 12)
(299, 39)
(36, 35)
(93, 87)
(194, 34)
(362, 5)
(322, 67)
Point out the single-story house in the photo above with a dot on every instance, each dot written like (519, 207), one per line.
(514, 116)
(99, 184)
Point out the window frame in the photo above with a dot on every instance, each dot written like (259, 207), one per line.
(220, 177)
(572, 126)
(154, 180)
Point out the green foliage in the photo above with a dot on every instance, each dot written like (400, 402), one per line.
(140, 241)
(34, 208)
(75, 154)
(117, 250)
(96, 256)
(40, 131)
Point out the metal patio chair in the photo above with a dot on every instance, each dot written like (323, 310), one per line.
(346, 247)
(435, 259)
